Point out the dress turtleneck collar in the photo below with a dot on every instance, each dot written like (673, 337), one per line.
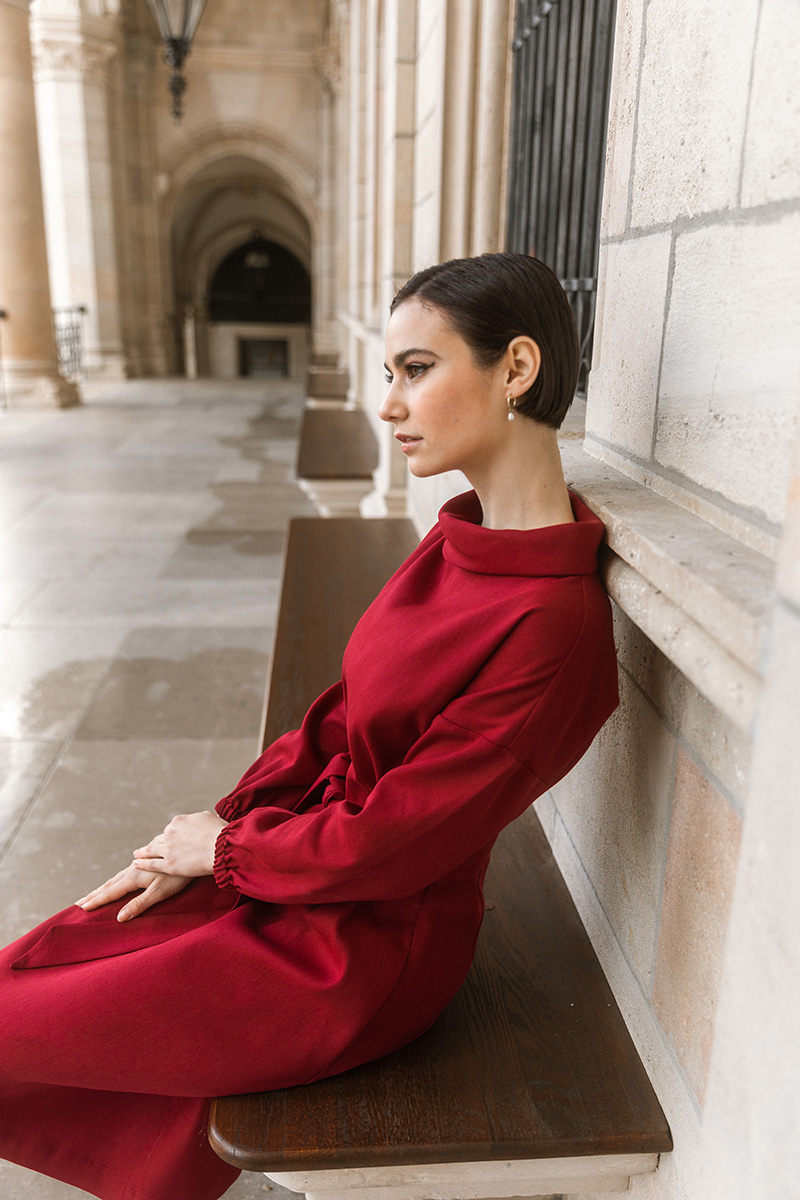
(567, 549)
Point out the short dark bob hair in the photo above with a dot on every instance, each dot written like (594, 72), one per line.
(494, 298)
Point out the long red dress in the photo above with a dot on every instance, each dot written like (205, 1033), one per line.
(346, 898)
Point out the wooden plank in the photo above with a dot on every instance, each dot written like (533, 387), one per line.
(333, 569)
(336, 444)
(531, 1060)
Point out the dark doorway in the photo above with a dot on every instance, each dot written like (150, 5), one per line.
(263, 358)
(261, 283)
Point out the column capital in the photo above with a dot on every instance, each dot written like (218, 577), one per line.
(70, 48)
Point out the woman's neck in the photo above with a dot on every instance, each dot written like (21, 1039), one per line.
(524, 488)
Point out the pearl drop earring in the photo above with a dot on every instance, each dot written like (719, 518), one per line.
(511, 406)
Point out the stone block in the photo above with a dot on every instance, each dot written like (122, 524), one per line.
(623, 385)
(721, 745)
(614, 805)
(772, 148)
(692, 108)
(327, 381)
(705, 835)
(731, 362)
(622, 116)
(789, 561)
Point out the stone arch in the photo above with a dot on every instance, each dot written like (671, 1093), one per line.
(221, 192)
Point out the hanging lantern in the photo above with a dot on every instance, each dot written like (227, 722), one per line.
(177, 22)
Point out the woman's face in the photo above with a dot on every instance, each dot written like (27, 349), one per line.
(448, 413)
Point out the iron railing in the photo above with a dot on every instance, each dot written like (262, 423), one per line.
(562, 71)
(68, 331)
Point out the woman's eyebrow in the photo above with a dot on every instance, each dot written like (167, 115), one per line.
(400, 358)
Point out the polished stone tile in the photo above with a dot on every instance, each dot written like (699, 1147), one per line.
(72, 554)
(17, 502)
(226, 554)
(23, 765)
(119, 515)
(255, 506)
(102, 801)
(16, 594)
(177, 683)
(48, 679)
(163, 602)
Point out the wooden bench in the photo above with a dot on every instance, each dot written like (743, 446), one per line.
(337, 454)
(529, 1083)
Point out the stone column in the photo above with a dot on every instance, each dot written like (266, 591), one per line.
(460, 94)
(72, 61)
(30, 368)
(142, 287)
(492, 125)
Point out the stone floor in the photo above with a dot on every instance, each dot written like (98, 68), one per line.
(140, 549)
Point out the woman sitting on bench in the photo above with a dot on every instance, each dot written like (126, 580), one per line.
(328, 911)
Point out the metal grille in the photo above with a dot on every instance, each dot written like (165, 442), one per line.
(562, 70)
(68, 330)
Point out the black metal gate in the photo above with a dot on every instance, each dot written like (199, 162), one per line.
(68, 330)
(562, 71)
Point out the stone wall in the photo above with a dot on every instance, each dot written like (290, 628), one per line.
(701, 233)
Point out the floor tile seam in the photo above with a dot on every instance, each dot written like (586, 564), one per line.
(25, 512)
(18, 612)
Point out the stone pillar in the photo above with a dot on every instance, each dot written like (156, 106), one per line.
(460, 94)
(492, 125)
(30, 368)
(142, 289)
(72, 60)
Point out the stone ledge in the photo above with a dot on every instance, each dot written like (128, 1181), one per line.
(697, 593)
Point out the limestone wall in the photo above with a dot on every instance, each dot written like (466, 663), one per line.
(701, 235)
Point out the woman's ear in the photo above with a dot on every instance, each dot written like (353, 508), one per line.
(523, 361)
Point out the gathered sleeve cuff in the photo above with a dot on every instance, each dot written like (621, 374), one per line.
(282, 775)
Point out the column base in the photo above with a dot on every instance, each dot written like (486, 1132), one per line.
(112, 367)
(24, 390)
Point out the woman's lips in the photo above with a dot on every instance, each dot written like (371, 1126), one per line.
(407, 442)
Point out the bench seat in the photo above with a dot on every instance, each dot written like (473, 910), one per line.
(337, 453)
(529, 1083)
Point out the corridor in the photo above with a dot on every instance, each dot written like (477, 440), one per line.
(140, 552)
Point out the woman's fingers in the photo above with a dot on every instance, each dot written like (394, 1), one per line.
(160, 888)
(129, 879)
(158, 866)
(153, 849)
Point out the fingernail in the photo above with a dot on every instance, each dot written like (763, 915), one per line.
(122, 916)
(80, 903)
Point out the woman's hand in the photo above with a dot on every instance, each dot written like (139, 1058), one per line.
(156, 887)
(186, 847)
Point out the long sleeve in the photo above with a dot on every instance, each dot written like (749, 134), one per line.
(281, 776)
(521, 723)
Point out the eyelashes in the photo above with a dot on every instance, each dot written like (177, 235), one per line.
(413, 370)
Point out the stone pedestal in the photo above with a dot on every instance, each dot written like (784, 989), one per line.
(30, 370)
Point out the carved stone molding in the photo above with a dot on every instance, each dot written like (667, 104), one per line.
(55, 57)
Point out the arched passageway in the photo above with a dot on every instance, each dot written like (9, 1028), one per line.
(242, 262)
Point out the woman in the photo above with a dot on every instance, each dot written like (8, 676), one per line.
(328, 910)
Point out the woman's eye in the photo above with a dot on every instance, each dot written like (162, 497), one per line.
(388, 377)
(414, 370)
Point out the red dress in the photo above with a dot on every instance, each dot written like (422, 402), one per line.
(346, 898)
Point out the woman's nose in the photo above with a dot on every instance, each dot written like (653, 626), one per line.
(391, 408)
